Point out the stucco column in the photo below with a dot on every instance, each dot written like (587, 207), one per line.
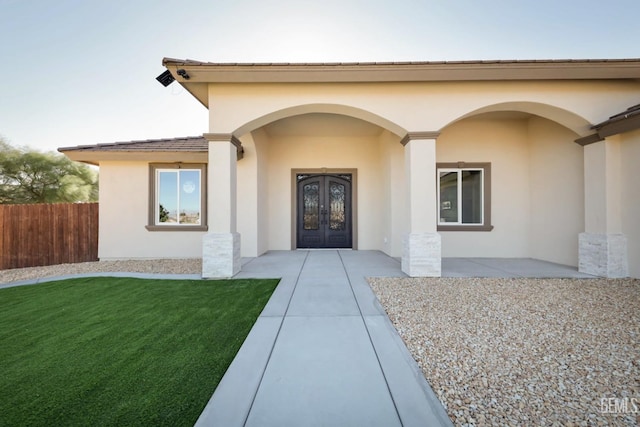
(603, 247)
(422, 251)
(221, 245)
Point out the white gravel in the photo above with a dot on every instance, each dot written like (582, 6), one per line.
(158, 266)
(523, 351)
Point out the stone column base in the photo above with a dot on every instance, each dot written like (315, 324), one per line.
(422, 255)
(220, 255)
(603, 255)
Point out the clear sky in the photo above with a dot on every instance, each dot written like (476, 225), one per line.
(79, 72)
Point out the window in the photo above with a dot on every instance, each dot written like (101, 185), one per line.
(464, 197)
(178, 197)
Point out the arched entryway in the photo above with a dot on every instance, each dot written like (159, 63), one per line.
(536, 190)
(341, 152)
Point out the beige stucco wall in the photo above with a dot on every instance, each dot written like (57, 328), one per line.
(536, 187)
(630, 147)
(603, 178)
(248, 203)
(264, 183)
(431, 106)
(538, 205)
(252, 178)
(529, 156)
(313, 152)
(124, 206)
(557, 192)
(504, 144)
(313, 142)
(393, 213)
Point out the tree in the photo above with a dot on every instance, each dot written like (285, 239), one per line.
(164, 214)
(30, 176)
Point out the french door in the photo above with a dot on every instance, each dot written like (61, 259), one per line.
(324, 211)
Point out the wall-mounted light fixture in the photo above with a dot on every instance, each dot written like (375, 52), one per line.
(183, 73)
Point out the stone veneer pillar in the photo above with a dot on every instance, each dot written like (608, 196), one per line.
(422, 248)
(602, 248)
(221, 244)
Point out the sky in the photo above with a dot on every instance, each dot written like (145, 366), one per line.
(77, 72)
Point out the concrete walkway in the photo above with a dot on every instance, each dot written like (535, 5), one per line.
(323, 353)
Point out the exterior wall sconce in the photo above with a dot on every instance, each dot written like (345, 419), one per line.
(183, 73)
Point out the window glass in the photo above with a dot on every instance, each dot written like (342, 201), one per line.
(189, 197)
(178, 196)
(448, 196)
(167, 197)
(471, 196)
(460, 193)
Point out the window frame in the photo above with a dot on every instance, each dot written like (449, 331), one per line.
(154, 168)
(486, 196)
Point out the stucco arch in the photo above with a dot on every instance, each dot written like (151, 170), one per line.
(341, 109)
(568, 119)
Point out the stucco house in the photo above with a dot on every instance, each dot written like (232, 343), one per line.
(534, 159)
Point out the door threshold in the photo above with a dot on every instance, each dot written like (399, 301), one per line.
(324, 249)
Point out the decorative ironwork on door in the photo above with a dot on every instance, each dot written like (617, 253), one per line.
(337, 206)
(324, 211)
(311, 206)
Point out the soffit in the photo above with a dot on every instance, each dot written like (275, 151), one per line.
(95, 158)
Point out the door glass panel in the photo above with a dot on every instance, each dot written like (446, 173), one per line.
(336, 205)
(311, 206)
(448, 197)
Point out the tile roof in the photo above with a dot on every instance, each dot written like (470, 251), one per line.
(189, 144)
(626, 121)
(626, 114)
(176, 61)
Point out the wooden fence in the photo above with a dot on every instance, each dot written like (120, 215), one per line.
(48, 234)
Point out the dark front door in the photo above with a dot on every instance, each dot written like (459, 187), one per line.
(324, 211)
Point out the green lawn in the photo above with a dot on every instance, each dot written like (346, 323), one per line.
(120, 351)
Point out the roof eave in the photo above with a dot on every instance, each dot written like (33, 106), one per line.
(205, 72)
(626, 121)
(615, 127)
(95, 157)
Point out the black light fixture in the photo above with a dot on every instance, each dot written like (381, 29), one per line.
(183, 73)
(165, 78)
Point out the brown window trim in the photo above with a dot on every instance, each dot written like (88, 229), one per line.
(486, 167)
(151, 225)
(465, 227)
(176, 227)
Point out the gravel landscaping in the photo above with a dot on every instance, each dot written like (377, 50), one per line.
(157, 266)
(523, 351)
